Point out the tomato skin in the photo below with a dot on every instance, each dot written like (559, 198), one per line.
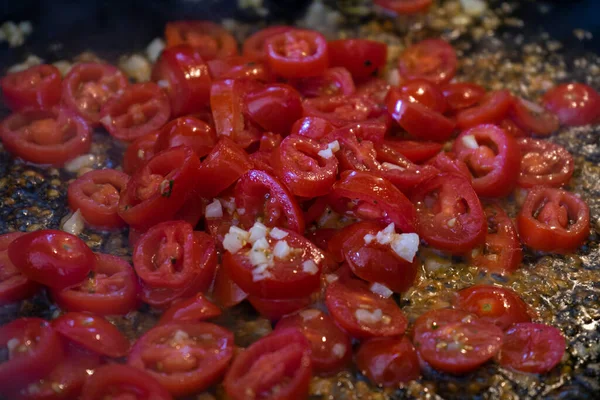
(14, 286)
(123, 380)
(187, 78)
(96, 195)
(532, 348)
(281, 358)
(226, 292)
(461, 95)
(430, 59)
(196, 308)
(426, 93)
(187, 131)
(274, 108)
(275, 309)
(511, 128)
(255, 47)
(302, 169)
(139, 152)
(38, 87)
(388, 361)
(415, 151)
(418, 120)
(164, 183)
(469, 225)
(209, 39)
(553, 220)
(544, 163)
(92, 332)
(495, 172)
(447, 162)
(334, 81)
(239, 67)
(136, 111)
(492, 108)
(323, 336)
(363, 58)
(297, 53)
(112, 289)
(42, 349)
(404, 6)
(45, 136)
(210, 349)
(56, 259)
(341, 110)
(575, 104)
(533, 118)
(89, 86)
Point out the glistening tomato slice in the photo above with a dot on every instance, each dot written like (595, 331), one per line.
(430, 59)
(195, 309)
(426, 93)
(297, 53)
(544, 163)
(334, 81)
(123, 381)
(534, 118)
(139, 152)
(38, 87)
(575, 104)
(461, 95)
(363, 58)
(416, 152)
(275, 309)
(14, 286)
(255, 47)
(388, 361)
(492, 109)
(187, 131)
(274, 108)
(209, 39)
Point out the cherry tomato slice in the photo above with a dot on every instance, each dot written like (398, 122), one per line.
(553, 220)
(431, 59)
(33, 349)
(493, 158)
(255, 47)
(277, 275)
(416, 152)
(45, 137)
(14, 286)
(123, 381)
(297, 53)
(450, 215)
(53, 258)
(362, 313)
(461, 95)
(136, 111)
(447, 162)
(182, 72)
(509, 126)
(492, 108)
(110, 289)
(544, 163)
(331, 348)
(209, 39)
(239, 67)
(226, 292)
(341, 110)
(261, 195)
(275, 309)
(187, 131)
(274, 108)
(575, 104)
(375, 89)
(92, 332)
(426, 93)
(532, 348)
(334, 81)
(96, 195)
(184, 358)
(361, 57)
(533, 118)
(388, 361)
(139, 152)
(195, 309)
(276, 367)
(160, 188)
(404, 6)
(38, 87)
(89, 86)
(301, 165)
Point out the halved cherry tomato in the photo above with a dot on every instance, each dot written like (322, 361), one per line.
(498, 305)
(184, 357)
(388, 361)
(14, 286)
(92, 332)
(447, 162)
(300, 165)
(136, 111)
(363, 58)
(276, 367)
(404, 6)
(491, 109)
(275, 309)
(362, 313)
(450, 215)
(226, 292)
(367, 196)
(255, 46)
(434, 319)
(426, 93)
(38, 87)
(160, 188)
(341, 110)
(532, 348)
(461, 95)
(187, 131)
(274, 108)
(356, 154)
(575, 104)
(89, 86)
(544, 163)
(430, 59)
(32, 348)
(375, 88)
(139, 152)
(289, 276)
(123, 381)
(493, 158)
(196, 308)
(553, 220)
(261, 195)
(222, 167)
(509, 126)
(501, 253)
(211, 40)
(182, 72)
(56, 259)
(45, 137)
(110, 289)
(96, 195)
(331, 348)
(297, 53)
(416, 152)
(418, 120)
(240, 67)
(534, 118)
(334, 81)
